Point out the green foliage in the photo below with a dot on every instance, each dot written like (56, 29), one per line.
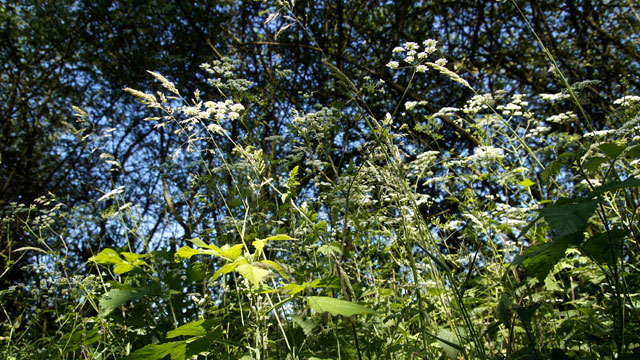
(308, 202)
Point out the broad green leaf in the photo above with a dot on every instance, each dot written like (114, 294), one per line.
(186, 252)
(593, 164)
(525, 313)
(540, 259)
(122, 268)
(569, 216)
(227, 268)
(614, 185)
(275, 266)
(231, 253)
(177, 351)
(254, 274)
(336, 306)
(611, 149)
(259, 245)
(307, 325)
(634, 152)
(117, 297)
(599, 247)
(503, 311)
(131, 257)
(449, 342)
(199, 243)
(292, 289)
(106, 256)
(526, 183)
(195, 328)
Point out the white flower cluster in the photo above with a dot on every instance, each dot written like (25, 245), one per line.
(561, 118)
(411, 53)
(485, 155)
(627, 100)
(515, 107)
(225, 75)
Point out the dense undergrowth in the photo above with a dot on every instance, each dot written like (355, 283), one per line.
(535, 258)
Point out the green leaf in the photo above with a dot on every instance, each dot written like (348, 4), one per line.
(254, 274)
(449, 342)
(106, 256)
(611, 149)
(199, 243)
(526, 183)
(540, 259)
(231, 253)
(593, 164)
(122, 268)
(599, 247)
(569, 216)
(634, 152)
(503, 311)
(177, 351)
(336, 306)
(614, 185)
(195, 328)
(550, 172)
(280, 237)
(117, 297)
(227, 268)
(185, 252)
(525, 313)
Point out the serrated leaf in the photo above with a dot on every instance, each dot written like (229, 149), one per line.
(186, 252)
(614, 185)
(336, 306)
(259, 245)
(117, 297)
(593, 164)
(611, 149)
(122, 268)
(131, 257)
(195, 328)
(231, 253)
(106, 256)
(569, 216)
(604, 248)
(307, 325)
(525, 313)
(177, 351)
(227, 268)
(540, 259)
(254, 274)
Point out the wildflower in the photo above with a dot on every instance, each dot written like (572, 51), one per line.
(421, 68)
(398, 49)
(393, 64)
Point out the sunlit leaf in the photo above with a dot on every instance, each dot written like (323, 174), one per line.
(117, 297)
(177, 351)
(195, 328)
(336, 306)
(254, 274)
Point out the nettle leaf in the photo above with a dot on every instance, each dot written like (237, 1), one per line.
(195, 328)
(227, 268)
(593, 164)
(449, 342)
(106, 256)
(177, 350)
(539, 260)
(336, 306)
(122, 268)
(185, 252)
(231, 253)
(604, 248)
(611, 149)
(503, 311)
(254, 274)
(526, 183)
(569, 216)
(614, 185)
(117, 297)
(525, 313)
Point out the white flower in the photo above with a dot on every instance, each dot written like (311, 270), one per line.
(411, 46)
(398, 49)
(627, 100)
(410, 59)
(409, 105)
(393, 64)
(421, 68)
